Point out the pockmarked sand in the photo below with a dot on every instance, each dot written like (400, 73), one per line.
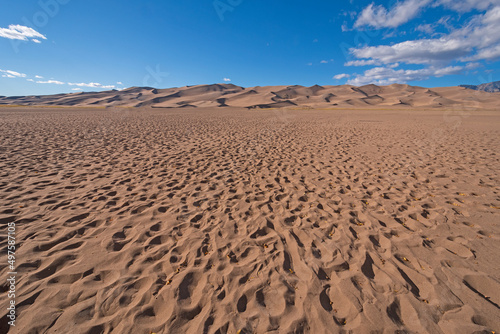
(229, 220)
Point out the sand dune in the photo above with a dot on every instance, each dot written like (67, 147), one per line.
(230, 220)
(229, 95)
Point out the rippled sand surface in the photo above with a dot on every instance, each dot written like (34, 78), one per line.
(236, 221)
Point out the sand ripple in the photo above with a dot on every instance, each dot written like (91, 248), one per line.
(236, 221)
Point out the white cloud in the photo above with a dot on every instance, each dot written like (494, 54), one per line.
(362, 62)
(76, 89)
(55, 82)
(119, 83)
(468, 5)
(227, 79)
(388, 76)
(488, 54)
(21, 33)
(12, 74)
(91, 85)
(424, 51)
(341, 76)
(380, 17)
(479, 39)
(471, 66)
(324, 62)
(425, 28)
(377, 16)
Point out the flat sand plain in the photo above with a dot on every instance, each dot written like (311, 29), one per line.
(251, 221)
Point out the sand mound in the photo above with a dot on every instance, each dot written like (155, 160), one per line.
(368, 96)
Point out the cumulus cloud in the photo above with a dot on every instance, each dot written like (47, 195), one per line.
(55, 82)
(341, 76)
(424, 51)
(22, 33)
(479, 39)
(91, 85)
(227, 79)
(388, 76)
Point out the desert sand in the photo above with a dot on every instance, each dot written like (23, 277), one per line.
(242, 220)
(396, 96)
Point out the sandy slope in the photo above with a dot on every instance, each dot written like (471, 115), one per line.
(229, 95)
(251, 221)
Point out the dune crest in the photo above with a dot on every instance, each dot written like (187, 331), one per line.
(229, 95)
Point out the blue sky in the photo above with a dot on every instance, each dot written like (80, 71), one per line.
(59, 46)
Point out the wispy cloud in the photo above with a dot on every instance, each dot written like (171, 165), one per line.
(362, 62)
(91, 85)
(452, 53)
(341, 76)
(55, 82)
(12, 74)
(488, 53)
(479, 39)
(380, 17)
(468, 5)
(227, 79)
(425, 28)
(377, 16)
(387, 75)
(22, 33)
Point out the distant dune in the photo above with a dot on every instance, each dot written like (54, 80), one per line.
(229, 95)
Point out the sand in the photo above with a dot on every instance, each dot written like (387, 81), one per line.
(395, 96)
(229, 220)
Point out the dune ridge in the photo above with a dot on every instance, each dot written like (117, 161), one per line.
(229, 95)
